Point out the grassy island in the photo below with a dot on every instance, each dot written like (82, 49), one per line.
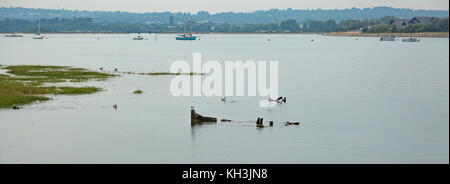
(138, 92)
(25, 85)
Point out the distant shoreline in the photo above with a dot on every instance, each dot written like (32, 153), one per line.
(360, 34)
(318, 33)
(348, 34)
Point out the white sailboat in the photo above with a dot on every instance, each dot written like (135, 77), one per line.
(38, 35)
(14, 31)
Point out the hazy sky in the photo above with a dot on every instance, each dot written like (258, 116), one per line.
(219, 5)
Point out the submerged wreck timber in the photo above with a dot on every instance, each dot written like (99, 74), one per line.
(197, 118)
(259, 123)
(291, 123)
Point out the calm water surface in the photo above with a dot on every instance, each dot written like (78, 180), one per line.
(359, 101)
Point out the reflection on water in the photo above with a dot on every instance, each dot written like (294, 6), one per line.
(358, 101)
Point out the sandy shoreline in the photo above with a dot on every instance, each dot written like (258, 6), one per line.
(359, 34)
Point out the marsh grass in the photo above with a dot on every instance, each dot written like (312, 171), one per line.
(26, 87)
(14, 93)
(138, 92)
(41, 73)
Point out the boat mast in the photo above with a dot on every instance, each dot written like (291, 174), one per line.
(39, 32)
(184, 17)
(191, 25)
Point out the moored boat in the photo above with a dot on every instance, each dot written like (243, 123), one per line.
(387, 38)
(139, 37)
(38, 35)
(13, 35)
(410, 39)
(187, 36)
(14, 31)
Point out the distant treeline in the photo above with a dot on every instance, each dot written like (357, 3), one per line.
(383, 24)
(260, 16)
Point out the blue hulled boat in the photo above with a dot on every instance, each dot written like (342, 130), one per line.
(186, 37)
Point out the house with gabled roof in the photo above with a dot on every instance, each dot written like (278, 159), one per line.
(422, 20)
(399, 22)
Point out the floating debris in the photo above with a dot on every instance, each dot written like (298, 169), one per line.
(17, 107)
(225, 120)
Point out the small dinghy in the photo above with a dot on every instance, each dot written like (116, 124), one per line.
(138, 37)
(387, 38)
(410, 39)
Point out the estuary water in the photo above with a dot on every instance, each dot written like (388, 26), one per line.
(358, 100)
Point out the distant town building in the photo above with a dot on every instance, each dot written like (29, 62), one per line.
(414, 20)
(422, 20)
(400, 22)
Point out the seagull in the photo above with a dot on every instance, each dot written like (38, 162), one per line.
(115, 106)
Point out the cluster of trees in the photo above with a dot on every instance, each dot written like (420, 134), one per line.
(332, 26)
(289, 25)
(438, 25)
(68, 25)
